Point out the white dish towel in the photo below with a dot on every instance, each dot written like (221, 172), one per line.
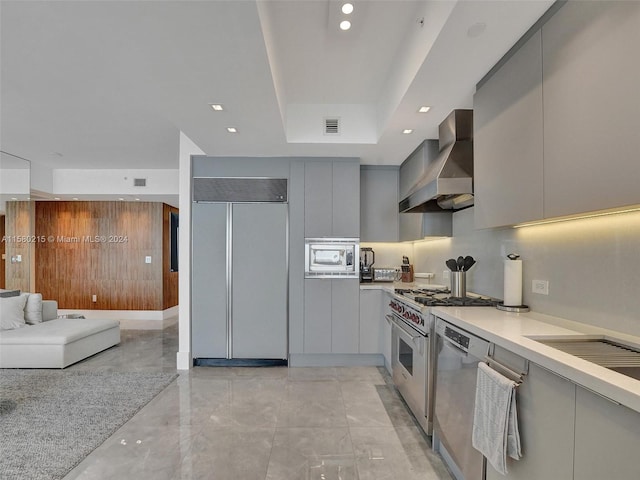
(495, 419)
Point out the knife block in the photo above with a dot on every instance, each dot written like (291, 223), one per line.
(407, 273)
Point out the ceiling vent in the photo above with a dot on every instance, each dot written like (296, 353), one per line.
(139, 182)
(332, 126)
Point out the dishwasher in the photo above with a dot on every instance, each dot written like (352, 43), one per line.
(458, 353)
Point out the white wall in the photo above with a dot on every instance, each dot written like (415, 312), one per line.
(592, 265)
(187, 148)
(114, 182)
(14, 181)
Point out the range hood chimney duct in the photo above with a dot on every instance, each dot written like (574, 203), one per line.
(447, 182)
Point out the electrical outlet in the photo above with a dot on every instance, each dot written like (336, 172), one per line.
(540, 286)
(94, 298)
(147, 259)
(446, 275)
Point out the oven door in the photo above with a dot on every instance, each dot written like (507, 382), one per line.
(409, 357)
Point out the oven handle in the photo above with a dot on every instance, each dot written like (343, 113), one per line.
(416, 339)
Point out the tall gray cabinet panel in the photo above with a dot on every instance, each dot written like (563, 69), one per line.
(508, 142)
(259, 280)
(318, 201)
(345, 316)
(208, 270)
(317, 315)
(296, 257)
(332, 198)
(379, 204)
(591, 105)
(346, 199)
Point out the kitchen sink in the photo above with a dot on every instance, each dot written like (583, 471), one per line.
(601, 351)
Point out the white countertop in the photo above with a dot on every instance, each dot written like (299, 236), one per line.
(514, 332)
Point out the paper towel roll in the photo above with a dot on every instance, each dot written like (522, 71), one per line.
(512, 283)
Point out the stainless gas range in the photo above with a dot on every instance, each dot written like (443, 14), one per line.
(413, 344)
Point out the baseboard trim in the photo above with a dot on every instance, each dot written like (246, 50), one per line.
(336, 360)
(132, 319)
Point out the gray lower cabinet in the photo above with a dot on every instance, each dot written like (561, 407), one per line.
(546, 406)
(331, 316)
(607, 439)
(370, 321)
(317, 315)
(591, 105)
(345, 316)
(379, 204)
(375, 329)
(508, 142)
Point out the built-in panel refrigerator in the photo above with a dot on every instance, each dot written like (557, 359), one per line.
(239, 285)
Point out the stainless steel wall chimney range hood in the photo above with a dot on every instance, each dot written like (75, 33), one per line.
(447, 182)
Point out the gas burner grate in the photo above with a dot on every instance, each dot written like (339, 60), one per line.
(457, 302)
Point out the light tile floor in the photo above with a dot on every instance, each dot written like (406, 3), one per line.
(258, 423)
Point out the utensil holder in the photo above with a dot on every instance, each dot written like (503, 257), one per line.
(459, 284)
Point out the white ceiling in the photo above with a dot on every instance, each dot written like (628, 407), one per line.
(109, 84)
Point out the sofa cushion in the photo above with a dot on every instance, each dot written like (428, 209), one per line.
(33, 308)
(60, 331)
(12, 312)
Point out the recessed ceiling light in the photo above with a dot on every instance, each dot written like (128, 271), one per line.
(347, 8)
(217, 107)
(121, 199)
(137, 199)
(407, 131)
(345, 25)
(14, 198)
(56, 198)
(75, 198)
(424, 109)
(232, 130)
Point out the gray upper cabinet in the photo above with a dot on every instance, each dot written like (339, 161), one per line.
(508, 142)
(591, 105)
(379, 204)
(346, 198)
(332, 198)
(318, 201)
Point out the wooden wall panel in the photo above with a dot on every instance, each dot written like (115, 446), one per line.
(84, 254)
(2, 253)
(18, 226)
(169, 278)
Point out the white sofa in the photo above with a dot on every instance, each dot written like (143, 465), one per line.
(52, 342)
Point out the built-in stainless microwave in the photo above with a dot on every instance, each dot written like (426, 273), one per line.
(332, 257)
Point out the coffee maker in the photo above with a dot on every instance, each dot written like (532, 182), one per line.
(367, 259)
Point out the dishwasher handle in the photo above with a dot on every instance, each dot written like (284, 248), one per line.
(454, 346)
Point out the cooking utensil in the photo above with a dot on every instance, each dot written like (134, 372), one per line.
(513, 256)
(452, 265)
(468, 263)
(405, 260)
(460, 263)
